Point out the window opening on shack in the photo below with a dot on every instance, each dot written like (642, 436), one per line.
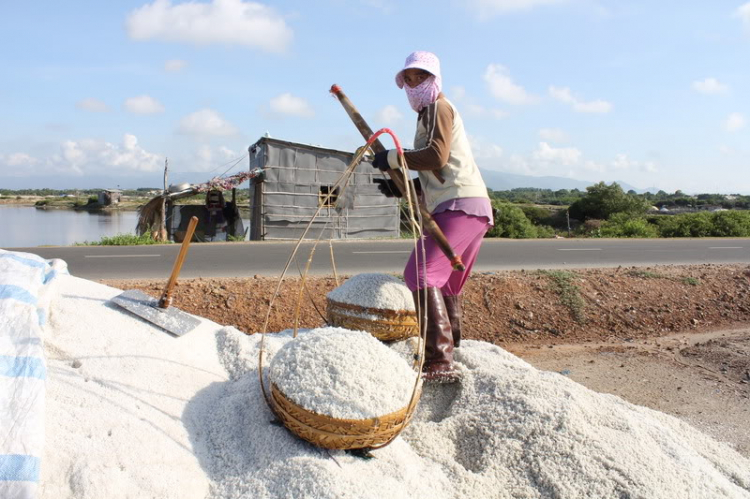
(324, 199)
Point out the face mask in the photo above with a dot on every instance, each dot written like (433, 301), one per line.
(423, 94)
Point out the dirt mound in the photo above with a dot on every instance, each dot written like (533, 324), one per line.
(529, 307)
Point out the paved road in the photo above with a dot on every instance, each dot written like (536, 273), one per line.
(269, 258)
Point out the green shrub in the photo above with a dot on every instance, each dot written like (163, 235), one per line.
(623, 225)
(686, 225)
(602, 201)
(731, 224)
(122, 240)
(511, 222)
(704, 224)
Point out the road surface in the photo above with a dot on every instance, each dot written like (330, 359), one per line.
(352, 257)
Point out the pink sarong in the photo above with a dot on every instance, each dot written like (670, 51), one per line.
(464, 233)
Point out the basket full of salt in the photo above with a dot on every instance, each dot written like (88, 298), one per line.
(377, 303)
(342, 389)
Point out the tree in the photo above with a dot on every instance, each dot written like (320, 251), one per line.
(602, 200)
(511, 222)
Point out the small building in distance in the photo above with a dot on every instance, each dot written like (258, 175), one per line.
(109, 197)
(297, 180)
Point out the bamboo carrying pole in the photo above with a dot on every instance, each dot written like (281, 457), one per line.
(429, 224)
(166, 298)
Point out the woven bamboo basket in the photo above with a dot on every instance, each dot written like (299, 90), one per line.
(340, 434)
(388, 325)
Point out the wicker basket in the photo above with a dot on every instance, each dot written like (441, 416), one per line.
(341, 434)
(388, 325)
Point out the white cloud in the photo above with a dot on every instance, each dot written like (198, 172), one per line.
(458, 93)
(231, 22)
(594, 166)
(389, 115)
(287, 103)
(623, 162)
(734, 122)
(502, 87)
(562, 156)
(208, 158)
(18, 159)
(483, 149)
(174, 65)
(384, 6)
(92, 156)
(484, 112)
(710, 86)
(206, 123)
(488, 8)
(649, 167)
(143, 104)
(743, 12)
(92, 105)
(563, 94)
(553, 135)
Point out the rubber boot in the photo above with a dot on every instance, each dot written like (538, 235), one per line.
(438, 361)
(453, 306)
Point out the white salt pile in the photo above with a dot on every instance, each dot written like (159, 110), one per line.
(117, 390)
(343, 374)
(375, 291)
(147, 415)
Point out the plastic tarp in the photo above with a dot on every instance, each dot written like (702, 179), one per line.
(27, 285)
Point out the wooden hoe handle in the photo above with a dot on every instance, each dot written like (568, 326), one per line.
(430, 226)
(166, 298)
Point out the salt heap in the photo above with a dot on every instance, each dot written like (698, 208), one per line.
(343, 374)
(506, 431)
(374, 291)
(134, 412)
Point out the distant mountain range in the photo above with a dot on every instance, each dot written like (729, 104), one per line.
(502, 181)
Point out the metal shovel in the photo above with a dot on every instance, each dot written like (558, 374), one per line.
(159, 312)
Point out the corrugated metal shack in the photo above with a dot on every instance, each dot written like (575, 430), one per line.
(296, 180)
(109, 197)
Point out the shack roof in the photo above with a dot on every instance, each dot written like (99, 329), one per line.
(288, 143)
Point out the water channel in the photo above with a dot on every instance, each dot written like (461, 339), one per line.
(27, 226)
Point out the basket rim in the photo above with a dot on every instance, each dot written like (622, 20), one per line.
(372, 310)
(401, 414)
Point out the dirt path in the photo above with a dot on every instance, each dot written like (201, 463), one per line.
(673, 338)
(702, 378)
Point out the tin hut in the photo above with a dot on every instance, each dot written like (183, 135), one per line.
(298, 178)
(109, 197)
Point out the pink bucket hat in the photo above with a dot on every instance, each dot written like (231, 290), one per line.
(420, 60)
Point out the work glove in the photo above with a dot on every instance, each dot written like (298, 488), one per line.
(380, 161)
(388, 188)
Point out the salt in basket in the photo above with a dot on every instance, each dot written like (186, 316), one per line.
(377, 303)
(342, 389)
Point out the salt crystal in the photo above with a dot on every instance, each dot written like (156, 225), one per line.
(343, 374)
(375, 291)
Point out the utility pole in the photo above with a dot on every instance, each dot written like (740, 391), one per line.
(163, 228)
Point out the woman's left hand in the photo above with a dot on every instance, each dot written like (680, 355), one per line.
(380, 161)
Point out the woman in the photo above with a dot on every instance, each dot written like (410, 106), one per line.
(453, 191)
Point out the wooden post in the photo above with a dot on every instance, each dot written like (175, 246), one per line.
(163, 225)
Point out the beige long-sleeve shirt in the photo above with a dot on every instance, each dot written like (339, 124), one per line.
(442, 156)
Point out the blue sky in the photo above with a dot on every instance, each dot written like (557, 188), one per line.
(98, 94)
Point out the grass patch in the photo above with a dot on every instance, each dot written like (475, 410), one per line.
(569, 293)
(122, 240)
(692, 281)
